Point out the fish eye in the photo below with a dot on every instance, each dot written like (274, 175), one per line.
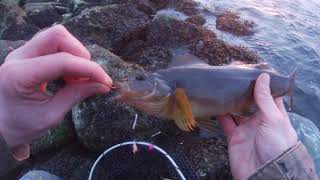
(140, 77)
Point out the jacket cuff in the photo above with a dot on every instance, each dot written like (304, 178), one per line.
(295, 163)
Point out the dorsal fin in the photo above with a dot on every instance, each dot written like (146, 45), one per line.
(186, 59)
(262, 65)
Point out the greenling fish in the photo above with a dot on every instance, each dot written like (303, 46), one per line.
(190, 91)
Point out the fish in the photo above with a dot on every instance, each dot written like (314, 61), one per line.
(191, 92)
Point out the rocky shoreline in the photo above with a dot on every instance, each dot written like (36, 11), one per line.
(125, 37)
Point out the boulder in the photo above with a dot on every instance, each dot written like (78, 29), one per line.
(151, 58)
(309, 135)
(197, 19)
(45, 14)
(6, 47)
(99, 118)
(231, 22)
(14, 23)
(200, 41)
(189, 7)
(171, 32)
(110, 26)
(217, 52)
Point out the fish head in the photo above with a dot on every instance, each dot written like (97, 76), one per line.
(147, 92)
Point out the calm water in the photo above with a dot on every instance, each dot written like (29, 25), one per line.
(288, 36)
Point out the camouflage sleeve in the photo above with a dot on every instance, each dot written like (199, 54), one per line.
(295, 163)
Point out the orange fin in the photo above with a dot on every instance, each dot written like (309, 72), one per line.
(182, 111)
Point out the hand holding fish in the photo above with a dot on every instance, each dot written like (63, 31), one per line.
(27, 112)
(261, 137)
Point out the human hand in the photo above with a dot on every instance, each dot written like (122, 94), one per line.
(26, 111)
(261, 137)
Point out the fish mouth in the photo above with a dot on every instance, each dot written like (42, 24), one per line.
(122, 88)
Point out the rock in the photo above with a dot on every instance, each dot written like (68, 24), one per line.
(109, 26)
(309, 135)
(99, 118)
(6, 47)
(189, 7)
(217, 52)
(14, 24)
(170, 32)
(230, 22)
(200, 41)
(45, 14)
(197, 20)
(151, 58)
(56, 137)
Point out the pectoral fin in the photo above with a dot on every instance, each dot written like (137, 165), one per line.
(207, 124)
(182, 111)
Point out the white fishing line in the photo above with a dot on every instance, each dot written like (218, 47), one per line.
(135, 122)
(139, 143)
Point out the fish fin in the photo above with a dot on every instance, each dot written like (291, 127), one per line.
(182, 111)
(208, 124)
(261, 66)
(292, 78)
(236, 63)
(186, 59)
(247, 112)
(213, 130)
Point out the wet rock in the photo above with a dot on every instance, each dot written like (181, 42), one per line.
(309, 135)
(197, 20)
(218, 52)
(56, 137)
(6, 47)
(189, 7)
(109, 26)
(14, 23)
(231, 22)
(152, 58)
(45, 14)
(170, 32)
(200, 41)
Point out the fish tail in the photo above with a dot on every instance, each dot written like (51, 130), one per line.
(292, 78)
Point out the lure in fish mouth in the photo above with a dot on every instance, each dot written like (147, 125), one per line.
(145, 91)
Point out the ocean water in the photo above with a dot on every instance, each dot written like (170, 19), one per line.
(287, 36)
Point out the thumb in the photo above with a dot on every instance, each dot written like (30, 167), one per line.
(67, 97)
(263, 97)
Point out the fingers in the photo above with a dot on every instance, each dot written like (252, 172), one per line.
(228, 125)
(279, 102)
(53, 40)
(50, 67)
(67, 97)
(263, 96)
